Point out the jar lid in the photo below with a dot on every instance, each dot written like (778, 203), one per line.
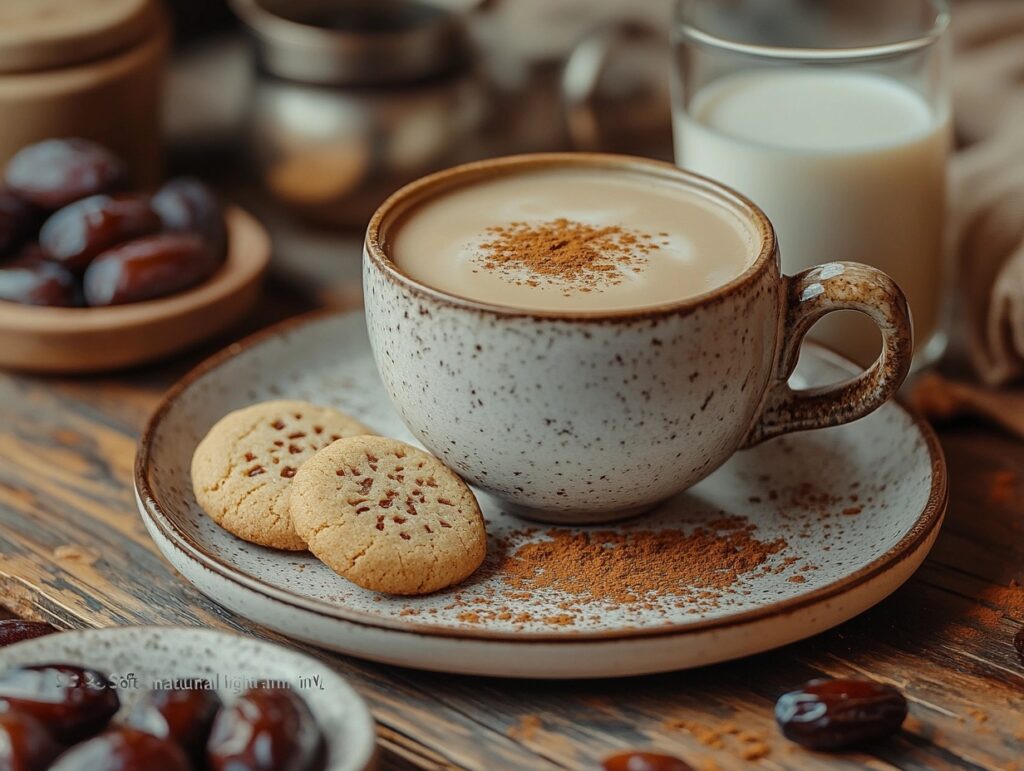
(46, 34)
(357, 43)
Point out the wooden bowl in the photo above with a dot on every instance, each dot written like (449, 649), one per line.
(79, 340)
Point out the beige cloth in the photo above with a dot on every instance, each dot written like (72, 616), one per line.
(988, 182)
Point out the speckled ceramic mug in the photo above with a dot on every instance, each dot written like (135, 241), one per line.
(583, 417)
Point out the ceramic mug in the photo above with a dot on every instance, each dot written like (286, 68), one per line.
(584, 417)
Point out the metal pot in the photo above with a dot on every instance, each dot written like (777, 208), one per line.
(353, 100)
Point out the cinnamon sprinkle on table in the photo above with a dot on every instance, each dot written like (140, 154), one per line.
(525, 729)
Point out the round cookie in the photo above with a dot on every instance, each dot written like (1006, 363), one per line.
(388, 517)
(242, 471)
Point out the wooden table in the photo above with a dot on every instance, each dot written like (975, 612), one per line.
(74, 552)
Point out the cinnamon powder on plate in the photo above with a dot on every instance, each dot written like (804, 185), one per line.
(595, 570)
(584, 256)
(633, 566)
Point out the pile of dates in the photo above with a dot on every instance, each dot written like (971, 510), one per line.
(66, 718)
(72, 234)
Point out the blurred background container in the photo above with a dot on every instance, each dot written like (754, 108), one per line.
(339, 102)
(92, 70)
(352, 100)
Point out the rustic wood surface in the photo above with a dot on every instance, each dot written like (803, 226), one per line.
(74, 552)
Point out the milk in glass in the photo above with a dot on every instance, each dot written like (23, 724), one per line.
(847, 165)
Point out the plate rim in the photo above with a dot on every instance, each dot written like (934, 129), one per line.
(930, 517)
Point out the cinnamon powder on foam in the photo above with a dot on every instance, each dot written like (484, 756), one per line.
(583, 256)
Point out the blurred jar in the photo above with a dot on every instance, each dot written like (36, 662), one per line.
(577, 74)
(88, 69)
(353, 100)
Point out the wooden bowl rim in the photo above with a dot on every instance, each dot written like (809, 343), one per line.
(248, 255)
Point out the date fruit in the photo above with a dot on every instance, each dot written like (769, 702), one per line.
(16, 222)
(25, 744)
(643, 761)
(1018, 643)
(186, 205)
(124, 749)
(74, 235)
(184, 716)
(15, 631)
(147, 268)
(72, 702)
(836, 714)
(266, 729)
(55, 172)
(32, 281)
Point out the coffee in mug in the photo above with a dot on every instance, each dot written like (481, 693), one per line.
(585, 335)
(573, 239)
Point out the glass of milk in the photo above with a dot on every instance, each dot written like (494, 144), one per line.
(834, 117)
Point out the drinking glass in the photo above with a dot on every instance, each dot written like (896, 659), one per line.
(833, 116)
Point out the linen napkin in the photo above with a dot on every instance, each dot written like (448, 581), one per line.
(987, 183)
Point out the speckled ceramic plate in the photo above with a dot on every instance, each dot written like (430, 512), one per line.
(136, 658)
(835, 520)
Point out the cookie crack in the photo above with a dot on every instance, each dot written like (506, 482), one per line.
(314, 532)
(233, 462)
(361, 554)
(432, 573)
(275, 503)
(248, 493)
(457, 531)
(401, 564)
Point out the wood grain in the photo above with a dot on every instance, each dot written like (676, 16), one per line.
(75, 553)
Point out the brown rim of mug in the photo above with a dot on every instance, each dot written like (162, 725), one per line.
(925, 525)
(416, 193)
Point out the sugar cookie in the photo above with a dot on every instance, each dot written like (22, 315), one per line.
(242, 471)
(388, 517)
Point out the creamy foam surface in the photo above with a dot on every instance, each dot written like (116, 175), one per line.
(698, 244)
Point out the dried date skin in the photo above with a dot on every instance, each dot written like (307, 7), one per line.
(644, 761)
(184, 716)
(1018, 643)
(15, 631)
(266, 729)
(55, 172)
(25, 744)
(841, 713)
(32, 281)
(124, 749)
(74, 235)
(186, 205)
(148, 268)
(73, 703)
(17, 220)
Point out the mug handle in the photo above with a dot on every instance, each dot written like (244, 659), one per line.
(810, 295)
